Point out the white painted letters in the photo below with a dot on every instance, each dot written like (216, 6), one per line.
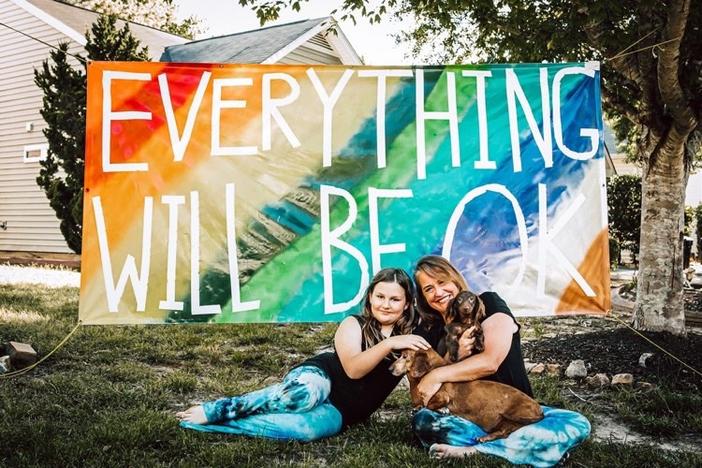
(178, 143)
(591, 133)
(270, 108)
(377, 249)
(328, 101)
(108, 116)
(332, 239)
(422, 116)
(139, 280)
(217, 105)
(542, 140)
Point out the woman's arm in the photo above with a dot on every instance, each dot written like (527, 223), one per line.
(357, 363)
(497, 331)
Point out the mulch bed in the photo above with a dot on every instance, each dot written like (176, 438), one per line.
(618, 350)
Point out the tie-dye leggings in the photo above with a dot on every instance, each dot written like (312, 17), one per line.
(540, 444)
(295, 409)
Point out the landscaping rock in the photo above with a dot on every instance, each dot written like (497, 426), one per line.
(21, 355)
(598, 380)
(5, 364)
(553, 369)
(623, 379)
(5, 361)
(537, 369)
(645, 359)
(645, 386)
(576, 369)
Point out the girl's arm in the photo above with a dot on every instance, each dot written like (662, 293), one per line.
(497, 330)
(357, 363)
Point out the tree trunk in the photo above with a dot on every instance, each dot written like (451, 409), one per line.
(659, 295)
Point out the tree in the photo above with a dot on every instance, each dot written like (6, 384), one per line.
(698, 230)
(624, 206)
(160, 14)
(651, 88)
(64, 88)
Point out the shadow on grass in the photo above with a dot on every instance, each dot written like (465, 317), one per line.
(109, 396)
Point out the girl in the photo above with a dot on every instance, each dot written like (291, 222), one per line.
(540, 444)
(330, 391)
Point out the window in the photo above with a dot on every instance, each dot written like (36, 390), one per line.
(34, 153)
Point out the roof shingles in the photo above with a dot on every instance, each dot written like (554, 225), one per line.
(244, 47)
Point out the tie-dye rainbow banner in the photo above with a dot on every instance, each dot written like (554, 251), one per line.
(272, 193)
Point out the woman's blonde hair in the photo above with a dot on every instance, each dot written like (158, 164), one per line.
(439, 268)
(371, 327)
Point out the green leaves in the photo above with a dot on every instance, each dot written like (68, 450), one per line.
(624, 206)
(64, 88)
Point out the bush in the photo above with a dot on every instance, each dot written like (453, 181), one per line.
(64, 89)
(614, 252)
(624, 206)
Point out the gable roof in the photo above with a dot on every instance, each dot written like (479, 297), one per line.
(74, 21)
(255, 46)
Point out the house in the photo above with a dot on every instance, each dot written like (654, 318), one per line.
(29, 229)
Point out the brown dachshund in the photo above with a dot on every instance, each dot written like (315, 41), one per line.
(497, 408)
(466, 311)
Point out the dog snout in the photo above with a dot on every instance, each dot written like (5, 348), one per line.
(399, 367)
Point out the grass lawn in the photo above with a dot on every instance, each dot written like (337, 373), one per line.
(108, 397)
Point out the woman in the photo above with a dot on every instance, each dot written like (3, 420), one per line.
(328, 392)
(540, 444)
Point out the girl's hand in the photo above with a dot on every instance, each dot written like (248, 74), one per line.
(414, 342)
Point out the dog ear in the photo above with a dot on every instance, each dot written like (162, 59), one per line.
(420, 365)
(478, 311)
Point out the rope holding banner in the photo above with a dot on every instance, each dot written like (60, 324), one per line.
(620, 55)
(656, 345)
(28, 368)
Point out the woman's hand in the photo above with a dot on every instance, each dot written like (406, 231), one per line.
(414, 342)
(427, 387)
(465, 346)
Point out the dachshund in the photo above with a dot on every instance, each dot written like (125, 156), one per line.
(466, 311)
(497, 408)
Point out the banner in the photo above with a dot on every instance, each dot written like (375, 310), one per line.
(272, 193)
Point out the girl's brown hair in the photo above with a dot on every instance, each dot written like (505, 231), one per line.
(439, 268)
(371, 327)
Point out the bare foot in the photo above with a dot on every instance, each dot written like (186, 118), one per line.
(195, 415)
(450, 451)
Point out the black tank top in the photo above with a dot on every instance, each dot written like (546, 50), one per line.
(356, 399)
(511, 371)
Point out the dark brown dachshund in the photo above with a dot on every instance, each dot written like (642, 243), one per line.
(466, 311)
(497, 408)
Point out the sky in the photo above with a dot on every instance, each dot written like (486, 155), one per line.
(374, 43)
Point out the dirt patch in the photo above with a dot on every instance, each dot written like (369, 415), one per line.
(608, 429)
(618, 350)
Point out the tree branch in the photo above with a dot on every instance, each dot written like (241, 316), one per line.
(625, 65)
(668, 68)
(620, 105)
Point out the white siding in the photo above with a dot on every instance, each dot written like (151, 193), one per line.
(316, 50)
(31, 223)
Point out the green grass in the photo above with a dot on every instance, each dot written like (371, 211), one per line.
(108, 397)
